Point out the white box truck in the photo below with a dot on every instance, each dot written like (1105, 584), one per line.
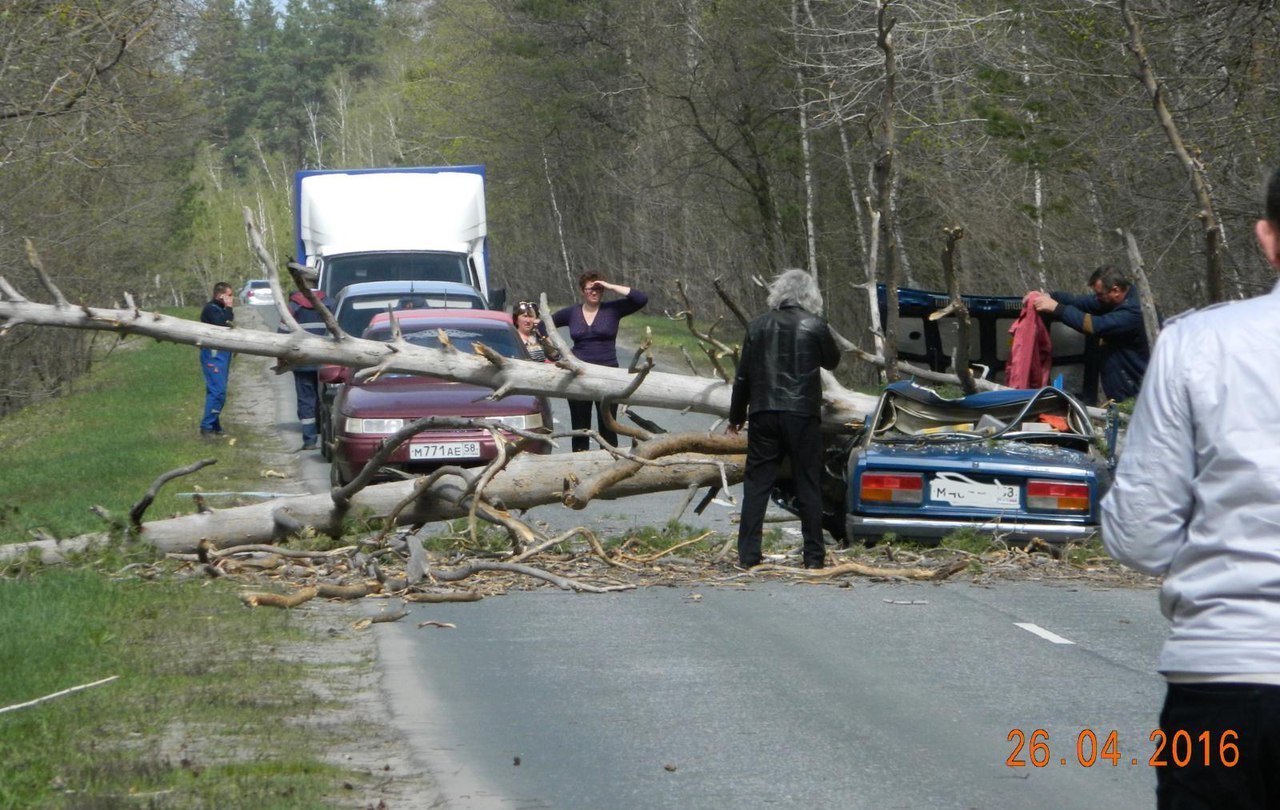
(422, 223)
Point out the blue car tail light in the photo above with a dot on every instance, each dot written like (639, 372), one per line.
(1060, 496)
(892, 487)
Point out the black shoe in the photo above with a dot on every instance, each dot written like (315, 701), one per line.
(813, 565)
(212, 434)
(750, 563)
(309, 444)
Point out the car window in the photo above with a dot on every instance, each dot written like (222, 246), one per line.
(501, 339)
(355, 314)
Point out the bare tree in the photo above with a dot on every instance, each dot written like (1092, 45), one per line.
(1207, 214)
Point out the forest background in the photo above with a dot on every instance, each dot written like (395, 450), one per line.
(652, 141)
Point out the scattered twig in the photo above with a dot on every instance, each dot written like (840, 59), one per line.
(650, 558)
(564, 583)
(261, 599)
(57, 694)
(437, 598)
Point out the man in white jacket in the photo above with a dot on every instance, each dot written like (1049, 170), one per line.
(1196, 500)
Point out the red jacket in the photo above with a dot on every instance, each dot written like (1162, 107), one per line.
(1031, 355)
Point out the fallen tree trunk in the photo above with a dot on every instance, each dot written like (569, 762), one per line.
(526, 482)
(506, 376)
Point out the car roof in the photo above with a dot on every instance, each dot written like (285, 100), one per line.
(414, 286)
(450, 316)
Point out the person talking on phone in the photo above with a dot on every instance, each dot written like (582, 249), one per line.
(216, 363)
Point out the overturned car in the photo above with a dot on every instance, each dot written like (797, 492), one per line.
(1020, 464)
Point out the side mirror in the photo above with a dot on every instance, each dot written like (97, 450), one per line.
(334, 375)
(498, 299)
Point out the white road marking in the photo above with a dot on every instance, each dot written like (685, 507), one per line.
(1043, 633)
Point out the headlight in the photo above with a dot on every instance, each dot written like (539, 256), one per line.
(527, 421)
(358, 426)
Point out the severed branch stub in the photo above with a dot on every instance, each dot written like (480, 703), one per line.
(140, 508)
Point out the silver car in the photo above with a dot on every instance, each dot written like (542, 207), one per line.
(256, 291)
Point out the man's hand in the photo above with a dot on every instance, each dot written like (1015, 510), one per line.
(732, 429)
(1042, 302)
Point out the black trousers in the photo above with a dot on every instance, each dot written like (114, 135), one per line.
(772, 437)
(580, 419)
(1221, 746)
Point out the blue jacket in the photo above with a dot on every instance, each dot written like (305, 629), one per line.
(218, 315)
(1122, 338)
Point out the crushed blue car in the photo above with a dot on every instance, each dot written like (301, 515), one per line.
(1018, 464)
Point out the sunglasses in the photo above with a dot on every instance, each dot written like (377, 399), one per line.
(527, 306)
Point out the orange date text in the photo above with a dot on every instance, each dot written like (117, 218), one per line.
(1088, 748)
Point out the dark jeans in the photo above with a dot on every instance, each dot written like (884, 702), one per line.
(772, 437)
(306, 384)
(580, 419)
(1252, 712)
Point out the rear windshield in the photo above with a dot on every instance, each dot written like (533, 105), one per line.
(356, 313)
(502, 339)
(341, 271)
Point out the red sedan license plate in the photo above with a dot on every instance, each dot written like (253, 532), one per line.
(438, 451)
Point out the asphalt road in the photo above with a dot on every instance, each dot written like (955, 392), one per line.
(763, 695)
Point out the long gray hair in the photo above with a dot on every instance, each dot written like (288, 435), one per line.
(795, 287)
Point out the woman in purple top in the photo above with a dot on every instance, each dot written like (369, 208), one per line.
(593, 326)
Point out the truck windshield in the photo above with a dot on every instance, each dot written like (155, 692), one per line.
(341, 271)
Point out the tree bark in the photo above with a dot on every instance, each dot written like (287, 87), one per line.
(526, 482)
(1207, 214)
(957, 310)
(883, 171)
(505, 376)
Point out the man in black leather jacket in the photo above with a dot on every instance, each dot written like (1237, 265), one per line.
(778, 385)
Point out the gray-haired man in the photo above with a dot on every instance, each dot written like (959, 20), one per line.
(779, 387)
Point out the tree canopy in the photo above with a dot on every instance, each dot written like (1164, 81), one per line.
(652, 141)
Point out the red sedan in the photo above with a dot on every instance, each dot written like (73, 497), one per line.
(365, 413)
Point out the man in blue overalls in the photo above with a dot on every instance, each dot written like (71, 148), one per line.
(216, 363)
(306, 379)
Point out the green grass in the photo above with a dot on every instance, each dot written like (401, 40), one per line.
(675, 332)
(205, 710)
(133, 418)
(194, 719)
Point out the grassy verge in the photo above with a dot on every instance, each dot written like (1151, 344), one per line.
(198, 716)
(211, 699)
(134, 417)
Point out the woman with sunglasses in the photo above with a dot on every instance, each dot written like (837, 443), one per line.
(593, 326)
(529, 326)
